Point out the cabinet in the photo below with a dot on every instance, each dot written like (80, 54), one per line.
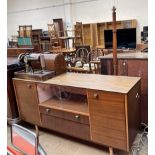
(100, 27)
(93, 33)
(98, 108)
(36, 34)
(88, 34)
(27, 100)
(131, 64)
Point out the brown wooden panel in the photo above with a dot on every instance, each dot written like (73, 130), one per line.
(107, 113)
(99, 122)
(27, 101)
(109, 141)
(17, 51)
(65, 126)
(139, 68)
(112, 103)
(133, 112)
(122, 67)
(65, 115)
(118, 84)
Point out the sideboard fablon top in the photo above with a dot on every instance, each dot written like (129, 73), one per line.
(102, 109)
(119, 84)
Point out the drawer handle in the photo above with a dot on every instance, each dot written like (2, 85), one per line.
(29, 85)
(137, 95)
(95, 96)
(47, 110)
(77, 117)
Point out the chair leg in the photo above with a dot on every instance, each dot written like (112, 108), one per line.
(110, 151)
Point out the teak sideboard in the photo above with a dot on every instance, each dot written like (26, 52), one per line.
(102, 109)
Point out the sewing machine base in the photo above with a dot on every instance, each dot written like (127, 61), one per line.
(38, 75)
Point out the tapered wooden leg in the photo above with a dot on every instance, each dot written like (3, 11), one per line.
(111, 150)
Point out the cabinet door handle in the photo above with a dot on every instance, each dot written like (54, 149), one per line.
(95, 96)
(29, 85)
(124, 63)
(137, 95)
(47, 110)
(77, 117)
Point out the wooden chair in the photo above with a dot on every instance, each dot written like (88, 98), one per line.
(80, 63)
(53, 34)
(78, 34)
(95, 60)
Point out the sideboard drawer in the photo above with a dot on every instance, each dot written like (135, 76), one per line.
(66, 126)
(65, 115)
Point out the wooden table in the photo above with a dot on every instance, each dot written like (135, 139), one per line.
(131, 64)
(16, 51)
(98, 108)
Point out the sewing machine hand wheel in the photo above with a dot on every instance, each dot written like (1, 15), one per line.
(21, 57)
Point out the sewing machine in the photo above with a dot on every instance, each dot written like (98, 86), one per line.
(41, 66)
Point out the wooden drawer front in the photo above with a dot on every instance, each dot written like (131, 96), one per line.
(65, 115)
(27, 101)
(65, 126)
(107, 118)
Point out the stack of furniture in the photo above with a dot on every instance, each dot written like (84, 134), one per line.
(25, 35)
(36, 34)
(93, 33)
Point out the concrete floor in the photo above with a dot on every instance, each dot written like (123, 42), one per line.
(55, 144)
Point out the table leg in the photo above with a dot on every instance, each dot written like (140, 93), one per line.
(110, 151)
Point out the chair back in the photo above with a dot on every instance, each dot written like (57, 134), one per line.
(78, 33)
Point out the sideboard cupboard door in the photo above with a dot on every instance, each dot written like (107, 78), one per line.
(139, 68)
(123, 67)
(107, 118)
(27, 100)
